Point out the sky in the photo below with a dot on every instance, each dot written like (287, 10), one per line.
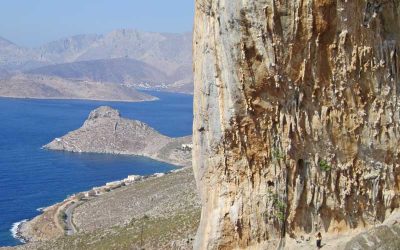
(31, 23)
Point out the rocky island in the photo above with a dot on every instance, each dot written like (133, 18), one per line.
(105, 131)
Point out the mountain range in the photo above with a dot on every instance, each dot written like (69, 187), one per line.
(139, 59)
(118, 70)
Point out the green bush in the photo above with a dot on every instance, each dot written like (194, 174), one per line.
(278, 155)
(63, 215)
(280, 215)
(280, 207)
(324, 166)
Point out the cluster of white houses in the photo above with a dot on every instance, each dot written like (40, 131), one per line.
(187, 147)
(96, 191)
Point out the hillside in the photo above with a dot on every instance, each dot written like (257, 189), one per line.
(67, 49)
(167, 52)
(119, 70)
(4, 74)
(153, 213)
(14, 57)
(48, 87)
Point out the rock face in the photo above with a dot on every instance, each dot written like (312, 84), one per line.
(296, 123)
(381, 237)
(106, 132)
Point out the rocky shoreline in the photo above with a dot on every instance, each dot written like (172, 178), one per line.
(16, 231)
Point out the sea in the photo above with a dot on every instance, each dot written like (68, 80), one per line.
(32, 178)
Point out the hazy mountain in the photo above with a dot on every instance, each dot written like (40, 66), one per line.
(166, 59)
(47, 87)
(4, 74)
(68, 49)
(13, 56)
(167, 52)
(119, 70)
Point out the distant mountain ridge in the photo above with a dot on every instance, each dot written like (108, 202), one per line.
(163, 55)
(118, 70)
(67, 49)
(5, 42)
(4, 74)
(12, 56)
(50, 87)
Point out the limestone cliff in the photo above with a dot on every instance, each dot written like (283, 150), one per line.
(296, 122)
(105, 131)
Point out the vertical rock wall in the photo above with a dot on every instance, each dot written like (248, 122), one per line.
(296, 123)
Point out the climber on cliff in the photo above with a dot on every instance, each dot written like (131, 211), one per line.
(319, 239)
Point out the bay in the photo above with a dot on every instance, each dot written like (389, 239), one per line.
(32, 178)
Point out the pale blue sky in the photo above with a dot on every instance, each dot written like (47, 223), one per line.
(34, 22)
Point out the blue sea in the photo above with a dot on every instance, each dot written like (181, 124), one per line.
(32, 178)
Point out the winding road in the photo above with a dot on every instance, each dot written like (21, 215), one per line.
(71, 229)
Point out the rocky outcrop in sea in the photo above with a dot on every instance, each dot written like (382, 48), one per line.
(105, 131)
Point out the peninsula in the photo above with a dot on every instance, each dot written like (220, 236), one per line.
(53, 87)
(105, 131)
(161, 211)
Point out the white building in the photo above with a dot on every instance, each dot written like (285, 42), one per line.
(115, 184)
(90, 193)
(187, 147)
(131, 179)
(158, 174)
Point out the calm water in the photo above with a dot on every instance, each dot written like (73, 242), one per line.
(32, 178)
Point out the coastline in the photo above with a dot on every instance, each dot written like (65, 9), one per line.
(78, 99)
(122, 136)
(177, 163)
(31, 230)
(16, 231)
(68, 176)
